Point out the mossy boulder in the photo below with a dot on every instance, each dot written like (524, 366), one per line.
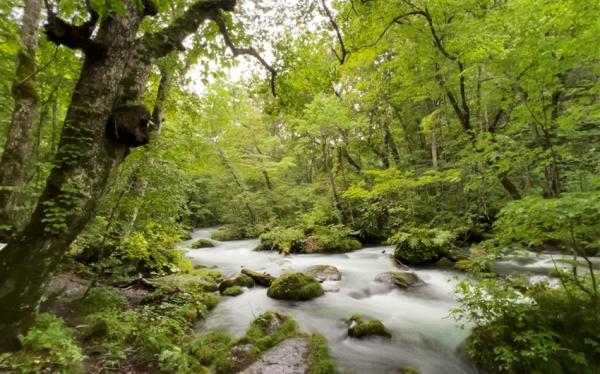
(202, 243)
(282, 240)
(234, 232)
(400, 279)
(233, 291)
(421, 246)
(444, 262)
(314, 239)
(262, 279)
(360, 328)
(295, 286)
(324, 273)
(241, 280)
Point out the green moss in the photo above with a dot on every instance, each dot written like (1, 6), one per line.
(419, 246)
(210, 347)
(361, 328)
(320, 363)
(315, 239)
(404, 279)
(295, 286)
(262, 279)
(269, 329)
(241, 280)
(233, 291)
(282, 240)
(202, 243)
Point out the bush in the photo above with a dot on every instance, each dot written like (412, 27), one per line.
(282, 240)
(419, 246)
(48, 346)
(235, 233)
(538, 329)
(331, 239)
(573, 221)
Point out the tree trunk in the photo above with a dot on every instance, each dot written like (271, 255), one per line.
(98, 131)
(18, 147)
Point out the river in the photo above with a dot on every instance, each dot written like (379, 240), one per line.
(424, 337)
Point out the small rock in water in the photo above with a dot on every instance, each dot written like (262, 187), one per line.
(324, 273)
(361, 328)
(400, 279)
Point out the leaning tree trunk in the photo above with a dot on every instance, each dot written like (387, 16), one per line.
(14, 163)
(102, 123)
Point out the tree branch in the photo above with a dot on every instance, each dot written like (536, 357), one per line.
(338, 33)
(244, 51)
(161, 43)
(61, 32)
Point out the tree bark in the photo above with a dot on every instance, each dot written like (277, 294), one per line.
(19, 142)
(87, 158)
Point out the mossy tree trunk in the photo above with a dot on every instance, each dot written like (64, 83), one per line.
(17, 150)
(93, 143)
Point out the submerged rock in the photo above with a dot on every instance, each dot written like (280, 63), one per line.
(288, 357)
(324, 273)
(361, 328)
(295, 286)
(400, 279)
(202, 243)
(262, 279)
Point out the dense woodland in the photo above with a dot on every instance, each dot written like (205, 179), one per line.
(457, 131)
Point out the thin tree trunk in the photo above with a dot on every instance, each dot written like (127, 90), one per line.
(14, 162)
(434, 151)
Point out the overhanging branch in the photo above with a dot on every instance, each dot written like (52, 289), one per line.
(244, 51)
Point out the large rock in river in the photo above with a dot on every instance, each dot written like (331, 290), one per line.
(288, 357)
(324, 273)
(400, 279)
(295, 286)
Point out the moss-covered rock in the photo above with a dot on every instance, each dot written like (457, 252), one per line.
(315, 239)
(295, 286)
(282, 240)
(324, 273)
(202, 243)
(262, 279)
(401, 279)
(360, 328)
(233, 232)
(444, 262)
(420, 246)
(233, 291)
(241, 280)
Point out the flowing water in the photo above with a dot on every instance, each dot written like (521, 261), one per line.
(423, 335)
